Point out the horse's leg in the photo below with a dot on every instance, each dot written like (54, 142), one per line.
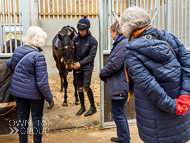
(61, 82)
(76, 94)
(65, 86)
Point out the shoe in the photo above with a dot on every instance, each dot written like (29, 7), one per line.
(91, 111)
(81, 111)
(114, 139)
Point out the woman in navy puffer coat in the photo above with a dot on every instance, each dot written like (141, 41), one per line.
(117, 86)
(29, 83)
(161, 81)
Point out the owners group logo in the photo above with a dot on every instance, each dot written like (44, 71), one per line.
(42, 127)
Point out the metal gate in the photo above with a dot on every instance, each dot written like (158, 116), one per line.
(170, 15)
(15, 20)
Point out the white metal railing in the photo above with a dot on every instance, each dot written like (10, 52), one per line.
(11, 25)
(170, 15)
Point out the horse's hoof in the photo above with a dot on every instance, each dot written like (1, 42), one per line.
(65, 104)
(77, 103)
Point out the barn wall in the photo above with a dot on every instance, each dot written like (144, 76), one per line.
(52, 26)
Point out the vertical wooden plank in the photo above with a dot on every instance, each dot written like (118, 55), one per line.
(68, 8)
(64, 8)
(57, 7)
(123, 4)
(11, 10)
(46, 9)
(73, 8)
(60, 9)
(97, 7)
(82, 7)
(94, 8)
(90, 8)
(118, 3)
(51, 8)
(54, 8)
(86, 8)
(41, 8)
(77, 8)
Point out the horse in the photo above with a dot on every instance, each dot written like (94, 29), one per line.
(13, 45)
(65, 52)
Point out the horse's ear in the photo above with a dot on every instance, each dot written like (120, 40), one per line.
(60, 36)
(72, 35)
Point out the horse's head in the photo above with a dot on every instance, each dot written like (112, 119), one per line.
(67, 47)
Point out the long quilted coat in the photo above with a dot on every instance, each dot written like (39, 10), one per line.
(159, 78)
(30, 80)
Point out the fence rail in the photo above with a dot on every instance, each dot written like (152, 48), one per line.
(9, 6)
(68, 9)
(10, 25)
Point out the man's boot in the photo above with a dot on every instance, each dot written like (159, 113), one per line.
(82, 109)
(92, 106)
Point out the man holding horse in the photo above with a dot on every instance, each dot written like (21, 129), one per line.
(85, 52)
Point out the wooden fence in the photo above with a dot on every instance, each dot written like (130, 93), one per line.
(75, 9)
(61, 9)
(10, 4)
(68, 9)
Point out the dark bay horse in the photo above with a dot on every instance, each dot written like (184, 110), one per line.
(13, 45)
(65, 52)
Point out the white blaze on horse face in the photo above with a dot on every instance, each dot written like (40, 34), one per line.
(66, 47)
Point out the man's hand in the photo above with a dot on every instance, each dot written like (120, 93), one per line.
(76, 66)
(61, 60)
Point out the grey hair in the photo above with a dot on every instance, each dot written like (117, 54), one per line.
(133, 18)
(35, 36)
(116, 27)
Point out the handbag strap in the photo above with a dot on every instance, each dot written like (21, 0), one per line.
(149, 37)
(23, 59)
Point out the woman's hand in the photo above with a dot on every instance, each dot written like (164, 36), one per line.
(51, 105)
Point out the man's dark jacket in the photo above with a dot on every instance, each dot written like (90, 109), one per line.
(85, 51)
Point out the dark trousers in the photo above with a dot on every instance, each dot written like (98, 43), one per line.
(24, 106)
(118, 112)
(83, 79)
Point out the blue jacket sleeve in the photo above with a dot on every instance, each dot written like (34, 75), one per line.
(115, 62)
(9, 63)
(42, 77)
(145, 82)
(184, 59)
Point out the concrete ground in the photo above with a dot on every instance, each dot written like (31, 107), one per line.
(77, 136)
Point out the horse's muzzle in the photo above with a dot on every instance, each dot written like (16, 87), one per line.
(69, 66)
